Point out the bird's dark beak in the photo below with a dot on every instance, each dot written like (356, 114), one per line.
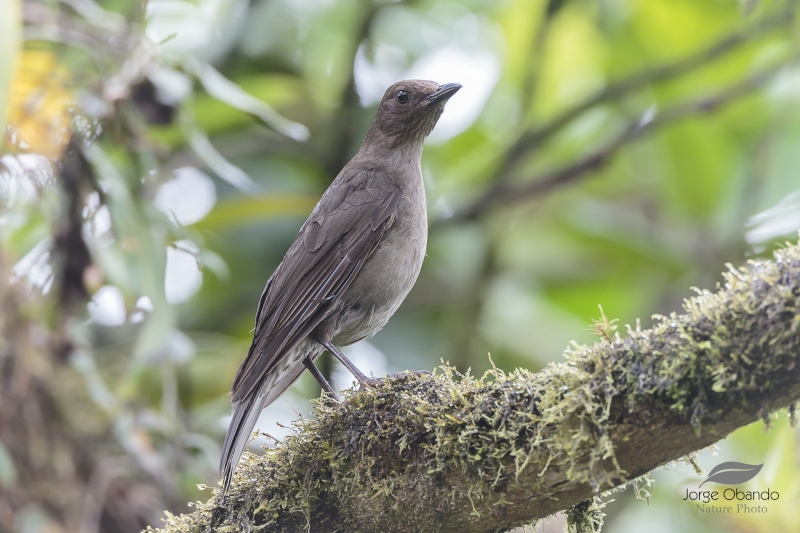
(444, 92)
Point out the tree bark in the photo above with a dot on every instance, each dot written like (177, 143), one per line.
(452, 453)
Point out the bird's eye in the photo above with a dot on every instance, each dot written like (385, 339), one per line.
(401, 97)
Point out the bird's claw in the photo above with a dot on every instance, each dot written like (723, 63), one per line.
(369, 382)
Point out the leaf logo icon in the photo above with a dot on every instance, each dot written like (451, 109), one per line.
(732, 473)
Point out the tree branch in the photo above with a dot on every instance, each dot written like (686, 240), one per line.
(436, 453)
(531, 139)
(561, 176)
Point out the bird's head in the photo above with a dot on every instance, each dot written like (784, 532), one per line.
(409, 110)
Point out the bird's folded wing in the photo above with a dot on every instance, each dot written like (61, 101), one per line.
(320, 264)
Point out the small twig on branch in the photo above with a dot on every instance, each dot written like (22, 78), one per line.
(530, 140)
(438, 453)
(594, 161)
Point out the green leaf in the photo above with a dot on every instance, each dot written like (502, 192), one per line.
(213, 116)
(700, 163)
(242, 211)
(235, 96)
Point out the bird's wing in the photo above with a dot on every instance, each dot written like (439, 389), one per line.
(328, 252)
(326, 255)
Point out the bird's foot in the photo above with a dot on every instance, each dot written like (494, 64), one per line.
(398, 376)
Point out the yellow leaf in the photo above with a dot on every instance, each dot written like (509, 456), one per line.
(40, 99)
(10, 18)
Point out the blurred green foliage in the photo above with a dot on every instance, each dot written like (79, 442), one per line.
(520, 280)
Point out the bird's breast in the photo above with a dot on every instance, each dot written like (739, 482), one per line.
(389, 273)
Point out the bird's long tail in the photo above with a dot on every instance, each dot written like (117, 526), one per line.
(245, 416)
(247, 409)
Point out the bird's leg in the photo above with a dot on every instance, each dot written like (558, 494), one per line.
(319, 377)
(362, 379)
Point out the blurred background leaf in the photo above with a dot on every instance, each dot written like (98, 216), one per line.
(10, 22)
(10, 31)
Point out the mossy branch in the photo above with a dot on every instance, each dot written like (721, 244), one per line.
(453, 453)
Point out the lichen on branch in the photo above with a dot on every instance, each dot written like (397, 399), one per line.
(448, 452)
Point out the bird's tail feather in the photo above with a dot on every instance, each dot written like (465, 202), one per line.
(245, 416)
(247, 410)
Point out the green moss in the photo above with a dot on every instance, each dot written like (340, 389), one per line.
(586, 517)
(439, 452)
